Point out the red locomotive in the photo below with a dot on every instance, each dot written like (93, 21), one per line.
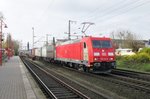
(89, 53)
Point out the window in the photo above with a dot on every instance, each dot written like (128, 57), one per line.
(84, 45)
(101, 44)
(129, 51)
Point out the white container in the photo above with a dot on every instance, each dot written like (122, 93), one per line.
(48, 51)
(38, 52)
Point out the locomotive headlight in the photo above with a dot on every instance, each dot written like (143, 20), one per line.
(111, 58)
(95, 59)
(96, 54)
(110, 54)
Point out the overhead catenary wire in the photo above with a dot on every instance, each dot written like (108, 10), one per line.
(107, 9)
(111, 9)
(106, 15)
(40, 18)
(109, 17)
(96, 10)
(114, 9)
(125, 11)
(90, 14)
(44, 12)
(138, 19)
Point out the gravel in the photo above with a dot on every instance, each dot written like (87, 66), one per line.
(95, 87)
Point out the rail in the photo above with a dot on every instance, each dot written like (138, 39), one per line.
(55, 87)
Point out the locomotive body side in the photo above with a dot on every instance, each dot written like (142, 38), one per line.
(70, 52)
(96, 54)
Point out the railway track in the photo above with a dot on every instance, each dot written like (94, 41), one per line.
(54, 87)
(86, 90)
(134, 84)
(138, 82)
(135, 80)
(132, 74)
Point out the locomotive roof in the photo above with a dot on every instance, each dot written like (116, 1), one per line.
(102, 38)
(78, 40)
(70, 42)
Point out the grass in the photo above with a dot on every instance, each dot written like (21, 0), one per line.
(144, 67)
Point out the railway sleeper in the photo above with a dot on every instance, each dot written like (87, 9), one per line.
(66, 97)
(65, 94)
(59, 90)
(55, 86)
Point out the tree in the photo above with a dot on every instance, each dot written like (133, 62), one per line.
(9, 43)
(16, 46)
(1, 15)
(133, 41)
(127, 39)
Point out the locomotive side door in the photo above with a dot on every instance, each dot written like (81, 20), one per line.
(85, 52)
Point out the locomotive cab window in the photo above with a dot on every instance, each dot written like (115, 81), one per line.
(84, 45)
(101, 44)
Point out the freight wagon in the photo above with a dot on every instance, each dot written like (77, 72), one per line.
(89, 53)
(48, 53)
(38, 53)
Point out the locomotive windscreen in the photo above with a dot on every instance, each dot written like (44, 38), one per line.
(101, 44)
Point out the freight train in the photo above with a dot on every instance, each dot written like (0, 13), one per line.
(94, 54)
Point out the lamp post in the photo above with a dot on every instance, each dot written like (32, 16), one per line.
(1, 30)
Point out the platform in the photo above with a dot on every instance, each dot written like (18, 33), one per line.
(16, 82)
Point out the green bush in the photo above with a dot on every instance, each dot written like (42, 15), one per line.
(143, 57)
(133, 59)
(145, 50)
(129, 60)
(119, 57)
(139, 61)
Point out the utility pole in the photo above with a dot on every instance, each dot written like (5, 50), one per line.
(47, 38)
(87, 26)
(33, 36)
(69, 29)
(54, 44)
(28, 47)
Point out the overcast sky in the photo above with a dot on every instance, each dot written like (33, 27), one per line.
(51, 17)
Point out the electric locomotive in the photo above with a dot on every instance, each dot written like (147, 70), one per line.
(94, 54)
